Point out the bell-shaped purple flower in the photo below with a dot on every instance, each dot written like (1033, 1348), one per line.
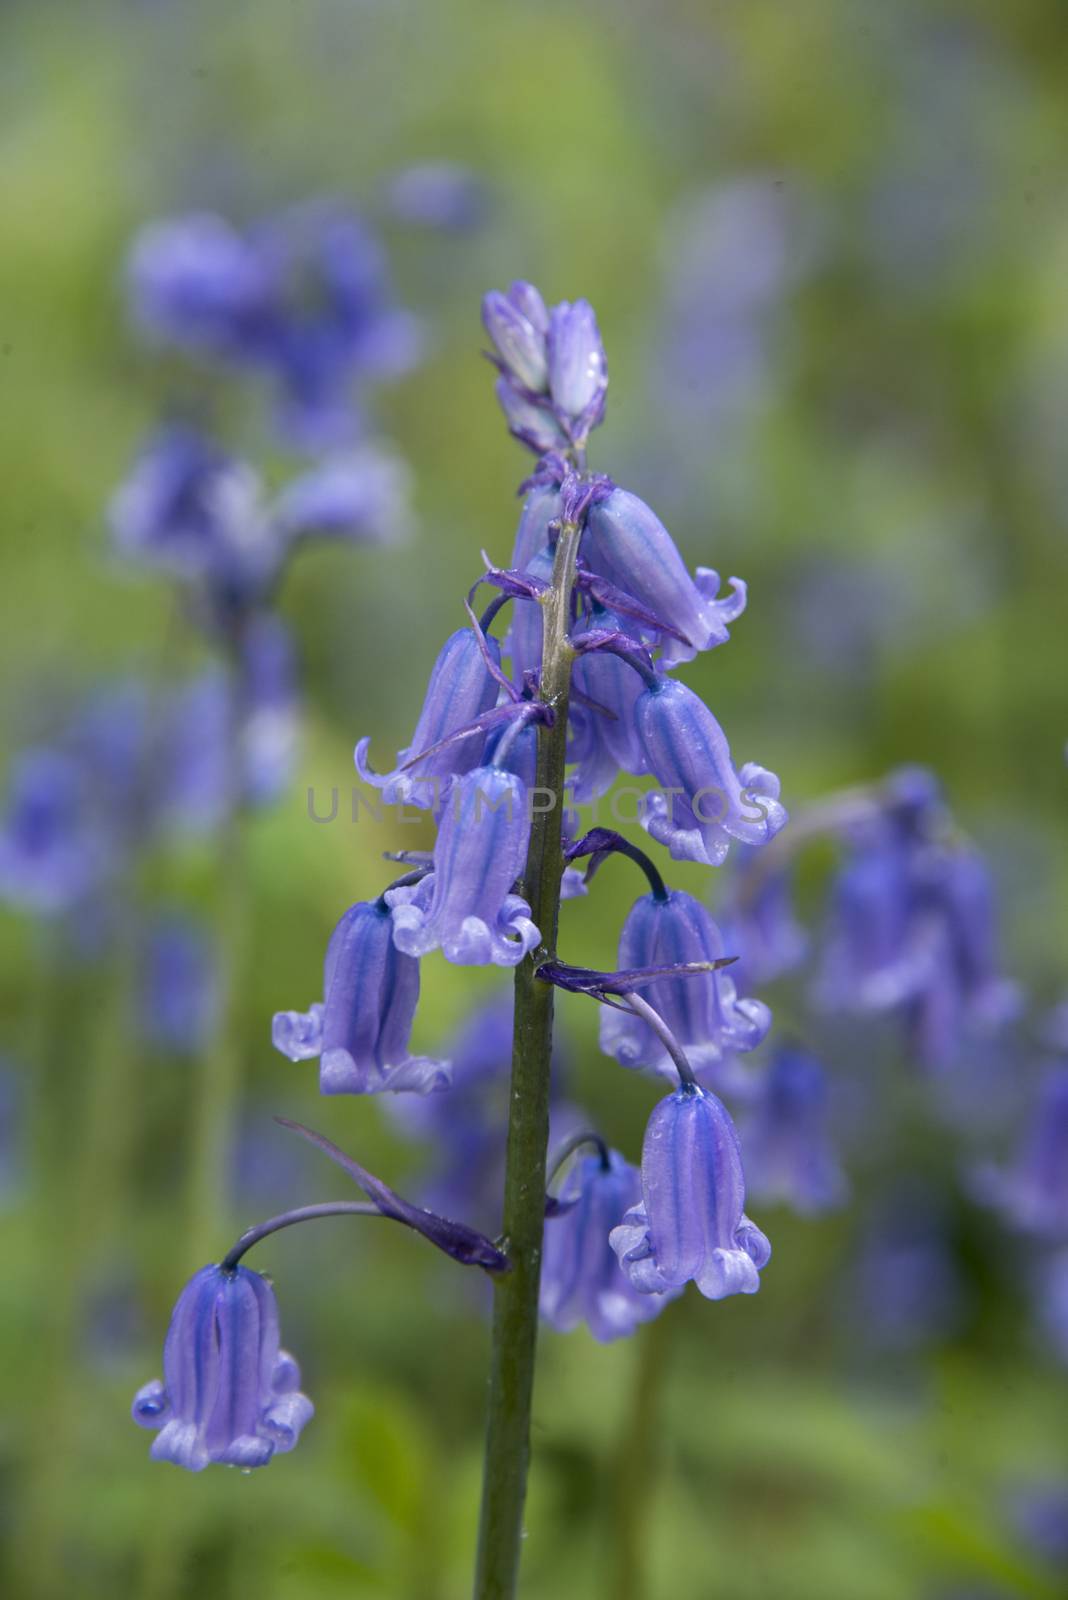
(788, 1152)
(518, 324)
(541, 508)
(362, 494)
(578, 372)
(581, 1279)
(525, 636)
(461, 688)
(1032, 1193)
(465, 907)
(194, 281)
(691, 1221)
(702, 803)
(627, 543)
(704, 1012)
(603, 742)
(362, 1028)
(229, 1393)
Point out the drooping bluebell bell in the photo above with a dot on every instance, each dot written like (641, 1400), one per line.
(603, 738)
(691, 1222)
(229, 1393)
(704, 1012)
(525, 633)
(303, 297)
(911, 926)
(788, 1152)
(1032, 1192)
(465, 907)
(702, 803)
(581, 1278)
(51, 850)
(552, 364)
(460, 689)
(628, 543)
(179, 986)
(361, 1029)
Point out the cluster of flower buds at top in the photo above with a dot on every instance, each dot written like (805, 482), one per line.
(303, 298)
(553, 373)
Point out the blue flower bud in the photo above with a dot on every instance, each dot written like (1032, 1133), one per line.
(466, 906)
(691, 1221)
(461, 687)
(229, 1393)
(704, 1012)
(581, 1279)
(578, 373)
(627, 543)
(703, 803)
(517, 323)
(361, 1032)
(601, 746)
(534, 425)
(788, 1153)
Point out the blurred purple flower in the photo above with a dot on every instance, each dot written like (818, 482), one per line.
(788, 1152)
(303, 297)
(581, 1279)
(52, 849)
(1032, 1192)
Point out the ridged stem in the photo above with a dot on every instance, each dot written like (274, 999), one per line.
(515, 1311)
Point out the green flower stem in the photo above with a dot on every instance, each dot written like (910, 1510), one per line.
(515, 1312)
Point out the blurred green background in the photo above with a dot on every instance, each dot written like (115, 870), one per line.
(885, 465)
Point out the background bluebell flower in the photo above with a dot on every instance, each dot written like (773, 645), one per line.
(1032, 1192)
(229, 1393)
(581, 1278)
(789, 1156)
(51, 850)
(303, 297)
(691, 1222)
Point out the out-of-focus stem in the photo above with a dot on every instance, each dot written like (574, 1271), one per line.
(634, 1475)
(515, 1312)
